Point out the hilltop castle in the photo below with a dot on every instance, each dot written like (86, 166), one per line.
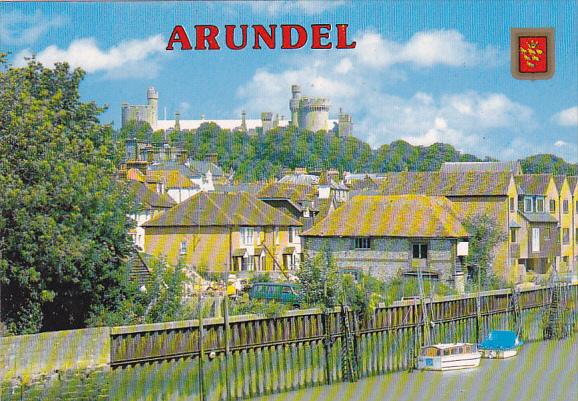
(310, 113)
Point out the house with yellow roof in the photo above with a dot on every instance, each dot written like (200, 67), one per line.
(173, 183)
(573, 186)
(149, 204)
(390, 235)
(565, 220)
(473, 193)
(539, 237)
(215, 231)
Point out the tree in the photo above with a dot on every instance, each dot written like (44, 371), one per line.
(320, 281)
(63, 224)
(484, 236)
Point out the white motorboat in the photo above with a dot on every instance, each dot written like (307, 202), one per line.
(449, 356)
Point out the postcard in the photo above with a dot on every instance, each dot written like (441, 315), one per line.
(264, 200)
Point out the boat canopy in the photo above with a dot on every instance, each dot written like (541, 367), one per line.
(501, 340)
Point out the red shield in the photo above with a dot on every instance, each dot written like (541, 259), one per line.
(533, 54)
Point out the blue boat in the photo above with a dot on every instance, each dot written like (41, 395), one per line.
(500, 344)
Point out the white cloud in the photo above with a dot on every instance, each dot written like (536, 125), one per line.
(123, 60)
(423, 49)
(19, 29)
(567, 117)
(359, 81)
(561, 144)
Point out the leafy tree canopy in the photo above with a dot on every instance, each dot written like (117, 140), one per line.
(63, 224)
(263, 156)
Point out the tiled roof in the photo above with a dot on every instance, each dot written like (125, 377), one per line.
(539, 217)
(305, 179)
(173, 166)
(533, 184)
(148, 198)
(559, 181)
(488, 167)
(203, 166)
(284, 190)
(171, 179)
(222, 209)
(363, 183)
(135, 175)
(250, 187)
(573, 182)
(446, 184)
(392, 216)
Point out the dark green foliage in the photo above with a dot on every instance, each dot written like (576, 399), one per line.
(400, 287)
(63, 224)
(485, 235)
(320, 280)
(162, 300)
(541, 164)
(264, 156)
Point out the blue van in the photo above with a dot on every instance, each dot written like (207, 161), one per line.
(278, 292)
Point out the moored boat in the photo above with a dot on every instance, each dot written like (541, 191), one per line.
(449, 356)
(500, 344)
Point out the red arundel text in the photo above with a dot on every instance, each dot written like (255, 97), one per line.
(236, 37)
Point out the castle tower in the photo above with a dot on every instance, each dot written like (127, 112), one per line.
(345, 126)
(243, 121)
(294, 104)
(314, 114)
(153, 107)
(267, 121)
(177, 121)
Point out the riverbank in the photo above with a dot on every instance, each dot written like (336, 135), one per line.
(545, 370)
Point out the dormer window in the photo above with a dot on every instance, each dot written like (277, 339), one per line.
(539, 205)
(528, 204)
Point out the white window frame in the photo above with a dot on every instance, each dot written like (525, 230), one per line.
(535, 239)
(276, 235)
(247, 235)
(531, 208)
(537, 202)
(183, 248)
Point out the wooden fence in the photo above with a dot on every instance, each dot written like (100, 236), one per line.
(303, 348)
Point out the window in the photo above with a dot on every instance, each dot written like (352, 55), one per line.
(565, 235)
(276, 235)
(565, 206)
(293, 236)
(535, 240)
(420, 251)
(183, 248)
(546, 233)
(539, 205)
(362, 243)
(512, 205)
(576, 236)
(528, 204)
(512, 235)
(247, 235)
(552, 205)
(250, 262)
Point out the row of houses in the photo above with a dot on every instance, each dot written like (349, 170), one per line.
(383, 224)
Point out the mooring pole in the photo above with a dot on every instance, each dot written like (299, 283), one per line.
(327, 345)
(201, 349)
(227, 328)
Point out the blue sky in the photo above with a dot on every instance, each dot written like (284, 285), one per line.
(423, 71)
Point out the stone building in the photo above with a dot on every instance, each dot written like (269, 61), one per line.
(390, 235)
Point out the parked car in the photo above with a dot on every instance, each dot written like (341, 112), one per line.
(278, 292)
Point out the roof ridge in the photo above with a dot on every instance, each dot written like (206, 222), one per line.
(229, 219)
